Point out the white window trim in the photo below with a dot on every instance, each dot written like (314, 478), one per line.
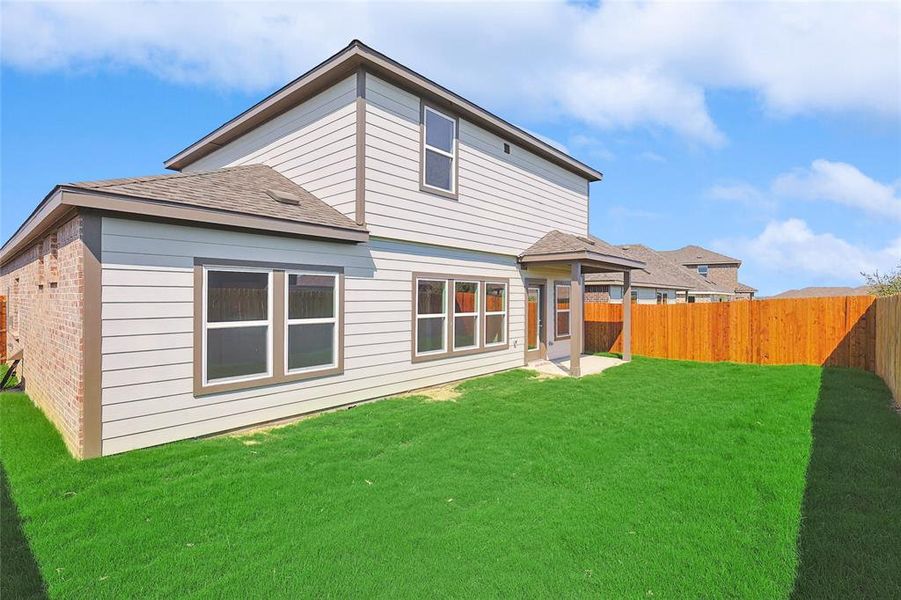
(706, 270)
(442, 315)
(334, 320)
(489, 313)
(451, 155)
(236, 324)
(568, 312)
(468, 314)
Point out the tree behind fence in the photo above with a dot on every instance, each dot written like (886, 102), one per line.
(822, 331)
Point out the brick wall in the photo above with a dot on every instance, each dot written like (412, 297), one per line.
(722, 275)
(45, 289)
(597, 293)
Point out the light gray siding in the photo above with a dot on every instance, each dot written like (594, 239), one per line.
(506, 201)
(147, 323)
(314, 144)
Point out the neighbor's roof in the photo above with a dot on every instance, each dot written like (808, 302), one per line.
(559, 246)
(248, 197)
(742, 287)
(347, 62)
(696, 255)
(658, 271)
(242, 189)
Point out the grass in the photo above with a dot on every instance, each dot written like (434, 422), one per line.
(658, 478)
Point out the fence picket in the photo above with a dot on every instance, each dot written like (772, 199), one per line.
(836, 331)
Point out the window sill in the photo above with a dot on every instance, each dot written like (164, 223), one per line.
(439, 192)
(218, 388)
(458, 353)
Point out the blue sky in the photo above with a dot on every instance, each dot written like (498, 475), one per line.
(769, 132)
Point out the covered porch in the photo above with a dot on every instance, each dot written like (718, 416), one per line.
(559, 261)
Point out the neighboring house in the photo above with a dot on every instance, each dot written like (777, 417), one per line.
(718, 270)
(359, 233)
(664, 280)
(660, 281)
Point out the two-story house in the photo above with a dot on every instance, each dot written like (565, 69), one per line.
(359, 233)
(706, 276)
(720, 272)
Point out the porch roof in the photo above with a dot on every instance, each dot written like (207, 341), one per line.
(595, 255)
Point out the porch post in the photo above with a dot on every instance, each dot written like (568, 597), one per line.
(627, 315)
(575, 320)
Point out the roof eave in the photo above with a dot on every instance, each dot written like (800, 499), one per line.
(342, 65)
(64, 199)
(615, 263)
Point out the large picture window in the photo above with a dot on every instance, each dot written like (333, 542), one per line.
(439, 151)
(264, 323)
(237, 324)
(457, 316)
(562, 310)
(312, 312)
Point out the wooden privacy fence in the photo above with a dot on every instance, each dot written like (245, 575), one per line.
(888, 343)
(2, 329)
(821, 331)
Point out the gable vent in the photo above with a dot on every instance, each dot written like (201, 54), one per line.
(283, 197)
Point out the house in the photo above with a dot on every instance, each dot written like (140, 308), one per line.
(719, 270)
(660, 281)
(666, 281)
(359, 233)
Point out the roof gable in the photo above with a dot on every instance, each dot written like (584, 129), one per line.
(348, 61)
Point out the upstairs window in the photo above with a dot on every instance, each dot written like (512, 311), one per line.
(702, 270)
(439, 151)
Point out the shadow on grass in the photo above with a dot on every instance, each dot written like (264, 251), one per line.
(849, 545)
(20, 576)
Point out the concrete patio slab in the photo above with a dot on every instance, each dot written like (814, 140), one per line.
(591, 365)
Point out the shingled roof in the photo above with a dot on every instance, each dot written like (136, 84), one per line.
(658, 271)
(250, 189)
(744, 288)
(560, 246)
(696, 255)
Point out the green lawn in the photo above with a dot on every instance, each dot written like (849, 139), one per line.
(656, 479)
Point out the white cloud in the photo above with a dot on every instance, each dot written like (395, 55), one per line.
(631, 99)
(613, 66)
(843, 184)
(791, 252)
(824, 181)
